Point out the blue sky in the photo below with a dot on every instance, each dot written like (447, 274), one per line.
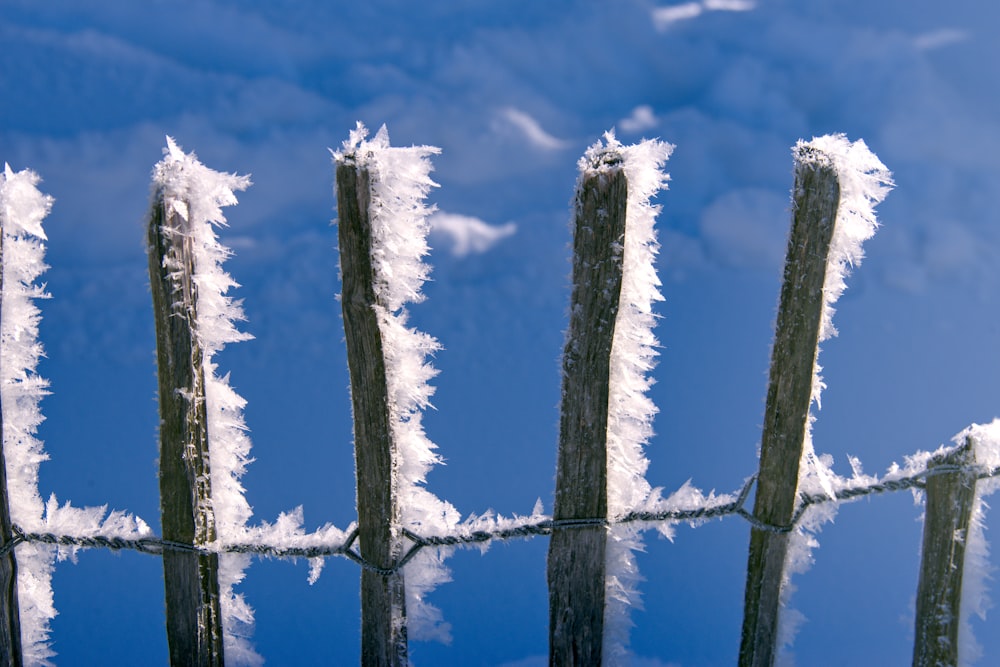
(513, 92)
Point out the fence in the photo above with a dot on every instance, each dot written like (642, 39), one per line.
(601, 491)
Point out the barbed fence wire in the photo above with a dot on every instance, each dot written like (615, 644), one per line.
(531, 526)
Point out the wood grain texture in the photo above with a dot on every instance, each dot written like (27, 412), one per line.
(10, 619)
(816, 198)
(191, 581)
(576, 557)
(950, 499)
(383, 600)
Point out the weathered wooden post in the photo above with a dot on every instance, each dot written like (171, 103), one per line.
(576, 558)
(950, 499)
(10, 623)
(816, 199)
(383, 599)
(191, 576)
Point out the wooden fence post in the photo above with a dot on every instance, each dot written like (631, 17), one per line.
(383, 595)
(950, 498)
(576, 558)
(816, 198)
(191, 578)
(10, 620)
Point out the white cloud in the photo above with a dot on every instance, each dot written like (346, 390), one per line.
(467, 234)
(664, 17)
(532, 130)
(936, 39)
(729, 5)
(642, 118)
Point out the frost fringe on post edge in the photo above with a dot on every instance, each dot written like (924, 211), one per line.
(400, 181)
(633, 356)
(22, 209)
(197, 194)
(977, 571)
(864, 183)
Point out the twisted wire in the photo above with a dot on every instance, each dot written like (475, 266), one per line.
(545, 526)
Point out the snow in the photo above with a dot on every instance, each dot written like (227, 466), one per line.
(633, 352)
(197, 194)
(400, 181)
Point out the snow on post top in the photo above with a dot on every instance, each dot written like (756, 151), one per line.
(400, 180)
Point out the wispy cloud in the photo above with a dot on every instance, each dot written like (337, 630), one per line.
(936, 39)
(467, 234)
(642, 118)
(532, 130)
(664, 17)
(728, 5)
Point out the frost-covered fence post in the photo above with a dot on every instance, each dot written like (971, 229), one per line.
(576, 558)
(10, 622)
(204, 448)
(383, 594)
(837, 185)
(191, 577)
(25, 579)
(606, 414)
(382, 228)
(947, 519)
(816, 197)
